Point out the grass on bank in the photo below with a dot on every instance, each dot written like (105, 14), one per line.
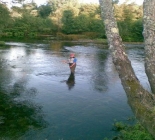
(131, 132)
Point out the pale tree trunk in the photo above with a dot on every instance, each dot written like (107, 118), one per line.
(120, 58)
(149, 37)
(140, 100)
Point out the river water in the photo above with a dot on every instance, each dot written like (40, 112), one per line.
(40, 101)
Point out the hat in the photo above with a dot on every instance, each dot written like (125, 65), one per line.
(72, 55)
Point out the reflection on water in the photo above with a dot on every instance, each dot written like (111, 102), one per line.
(41, 100)
(17, 116)
(71, 81)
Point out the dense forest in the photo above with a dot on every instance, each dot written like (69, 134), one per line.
(67, 20)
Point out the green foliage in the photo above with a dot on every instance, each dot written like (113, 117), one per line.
(89, 9)
(136, 30)
(81, 24)
(118, 126)
(2, 43)
(44, 10)
(9, 34)
(30, 26)
(129, 19)
(131, 32)
(4, 16)
(60, 4)
(68, 17)
(56, 4)
(32, 35)
(97, 26)
(127, 14)
(131, 132)
(19, 34)
(68, 21)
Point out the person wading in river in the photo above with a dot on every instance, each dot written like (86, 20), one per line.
(72, 62)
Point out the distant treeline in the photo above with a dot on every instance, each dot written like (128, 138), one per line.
(67, 19)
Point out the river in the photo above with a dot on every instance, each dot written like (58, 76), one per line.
(40, 101)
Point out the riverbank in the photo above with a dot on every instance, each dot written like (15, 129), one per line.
(96, 41)
(131, 132)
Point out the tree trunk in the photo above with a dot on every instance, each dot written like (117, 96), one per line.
(140, 100)
(149, 36)
(120, 58)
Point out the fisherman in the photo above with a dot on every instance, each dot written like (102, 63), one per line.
(72, 62)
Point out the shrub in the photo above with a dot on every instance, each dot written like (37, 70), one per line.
(2, 43)
(131, 132)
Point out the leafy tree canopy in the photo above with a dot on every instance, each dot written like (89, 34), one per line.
(44, 10)
(4, 16)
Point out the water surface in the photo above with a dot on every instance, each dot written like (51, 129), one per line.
(39, 99)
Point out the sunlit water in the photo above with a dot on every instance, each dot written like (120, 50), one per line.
(39, 102)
